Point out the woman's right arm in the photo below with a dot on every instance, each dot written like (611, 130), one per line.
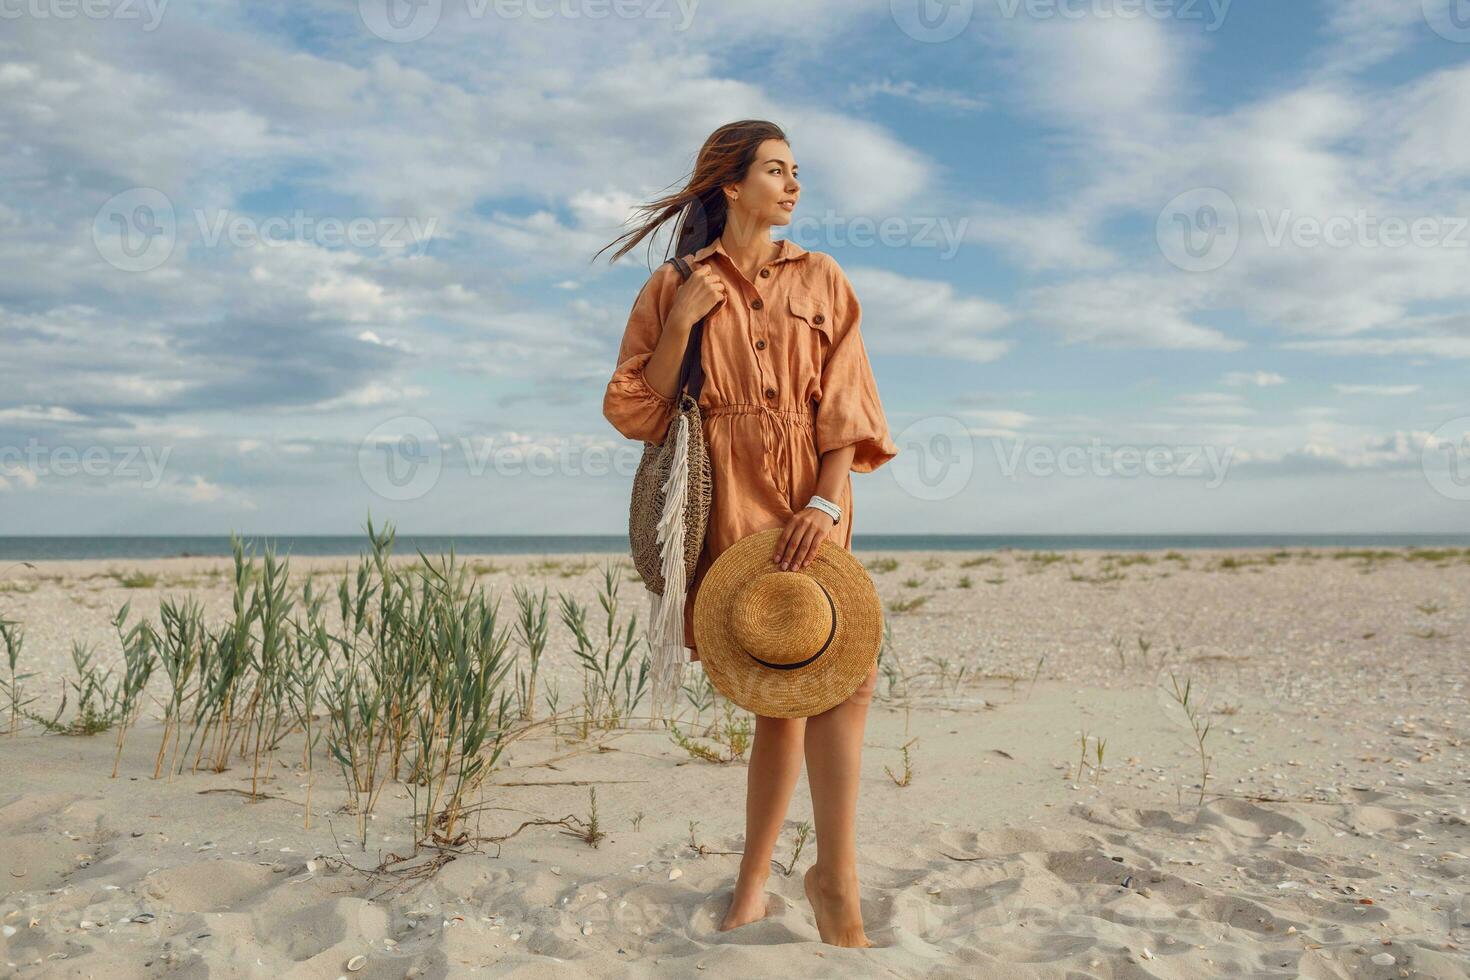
(662, 369)
(639, 401)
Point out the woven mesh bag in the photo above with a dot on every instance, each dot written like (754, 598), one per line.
(668, 515)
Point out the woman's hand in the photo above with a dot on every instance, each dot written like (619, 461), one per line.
(802, 538)
(697, 296)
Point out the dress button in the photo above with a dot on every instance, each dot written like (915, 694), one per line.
(770, 392)
(819, 319)
(765, 273)
(756, 303)
(760, 345)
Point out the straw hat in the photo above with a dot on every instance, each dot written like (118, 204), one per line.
(787, 644)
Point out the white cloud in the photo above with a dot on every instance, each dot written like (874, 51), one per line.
(926, 318)
(1393, 450)
(1213, 404)
(1379, 390)
(1128, 310)
(1106, 75)
(1039, 241)
(1259, 379)
(992, 422)
(18, 477)
(1369, 31)
(199, 490)
(371, 337)
(1433, 347)
(371, 395)
(1328, 150)
(911, 91)
(48, 414)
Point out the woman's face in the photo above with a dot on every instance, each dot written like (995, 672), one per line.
(769, 193)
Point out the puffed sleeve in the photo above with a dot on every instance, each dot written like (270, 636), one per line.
(631, 404)
(848, 411)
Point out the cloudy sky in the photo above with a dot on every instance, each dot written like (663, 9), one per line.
(1125, 266)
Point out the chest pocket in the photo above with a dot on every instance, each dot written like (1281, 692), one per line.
(815, 313)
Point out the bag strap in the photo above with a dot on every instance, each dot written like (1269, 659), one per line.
(691, 370)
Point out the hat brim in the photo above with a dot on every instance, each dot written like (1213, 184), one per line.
(804, 691)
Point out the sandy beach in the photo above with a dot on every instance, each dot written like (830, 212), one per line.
(1049, 820)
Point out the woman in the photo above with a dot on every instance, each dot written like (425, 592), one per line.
(790, 408)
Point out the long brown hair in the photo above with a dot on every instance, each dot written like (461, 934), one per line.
(725, 158)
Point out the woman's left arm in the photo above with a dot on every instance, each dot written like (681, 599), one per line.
(851, 428)
(809, 527)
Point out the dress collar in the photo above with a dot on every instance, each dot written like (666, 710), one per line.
(789, 250)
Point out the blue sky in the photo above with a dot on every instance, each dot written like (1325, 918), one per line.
(268, 266)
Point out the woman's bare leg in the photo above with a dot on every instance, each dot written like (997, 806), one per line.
(775, 766)
(834, 749)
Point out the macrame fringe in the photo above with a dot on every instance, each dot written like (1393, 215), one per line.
(665, 631)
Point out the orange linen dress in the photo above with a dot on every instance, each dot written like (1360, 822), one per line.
(787, 379)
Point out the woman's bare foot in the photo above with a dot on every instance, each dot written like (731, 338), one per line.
(838, 912)
(749, 903)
